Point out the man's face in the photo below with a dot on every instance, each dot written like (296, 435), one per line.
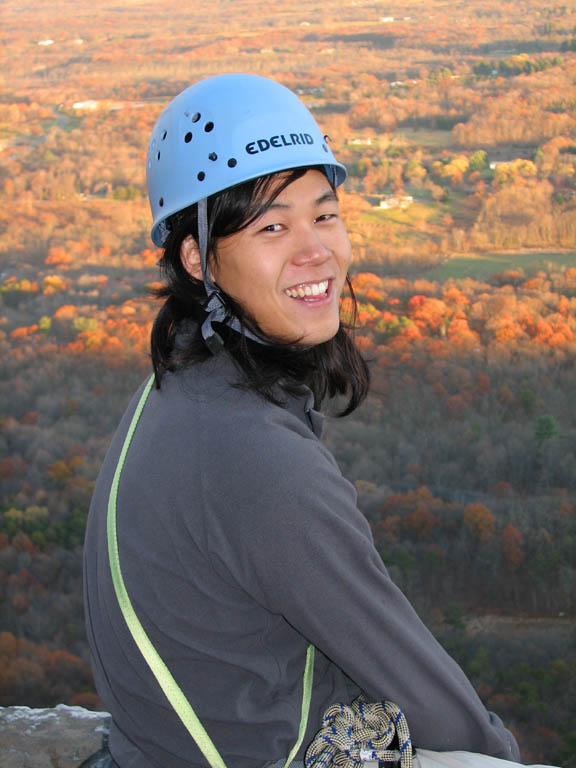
(287, 269)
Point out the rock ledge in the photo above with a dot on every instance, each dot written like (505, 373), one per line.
(63, 737)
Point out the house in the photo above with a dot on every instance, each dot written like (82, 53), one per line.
(360, 141)
(90, 105)
(396, 201)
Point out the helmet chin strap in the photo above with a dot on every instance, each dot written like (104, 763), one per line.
(214, 305)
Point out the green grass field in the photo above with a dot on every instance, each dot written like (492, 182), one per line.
(428, 138)
(480, 266)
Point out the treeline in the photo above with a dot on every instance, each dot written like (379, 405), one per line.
(505, 553)
(464, 455)
(474, 383)
(504, 176)
(32, 673)
(521, 64)
(528, 677)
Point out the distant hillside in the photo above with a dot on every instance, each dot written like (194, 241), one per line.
(457, 123)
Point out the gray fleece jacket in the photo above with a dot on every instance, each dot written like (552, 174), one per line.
(241, 543)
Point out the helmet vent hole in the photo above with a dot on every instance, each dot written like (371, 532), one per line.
(161, 202)
(196, 116)
(213, 156)
(209, 127)
(201, 176)
(164, 135)
(188, 138)
(232, 162)
(158, 155)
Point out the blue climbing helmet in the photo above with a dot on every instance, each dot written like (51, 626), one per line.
(225, 130)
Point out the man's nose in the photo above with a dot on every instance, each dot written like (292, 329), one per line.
(310, 248)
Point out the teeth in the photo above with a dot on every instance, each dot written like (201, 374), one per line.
(309, 289)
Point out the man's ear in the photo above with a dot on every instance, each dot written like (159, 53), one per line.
(190, 257)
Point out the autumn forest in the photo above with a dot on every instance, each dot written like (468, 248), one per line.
(457, 121)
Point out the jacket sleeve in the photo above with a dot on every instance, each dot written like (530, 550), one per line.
(293, 537)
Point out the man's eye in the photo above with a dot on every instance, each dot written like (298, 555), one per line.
(326, 217)
(272, 228)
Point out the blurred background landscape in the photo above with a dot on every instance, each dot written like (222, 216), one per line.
(457, 121)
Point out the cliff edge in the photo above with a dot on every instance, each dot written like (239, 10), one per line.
(63, 737)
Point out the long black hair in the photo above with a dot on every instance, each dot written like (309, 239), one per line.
(334, 367)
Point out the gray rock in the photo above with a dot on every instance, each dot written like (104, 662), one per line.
(63, 737)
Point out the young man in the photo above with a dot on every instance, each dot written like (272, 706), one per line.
(223, 544)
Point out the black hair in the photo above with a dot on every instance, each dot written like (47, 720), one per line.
(334, 367)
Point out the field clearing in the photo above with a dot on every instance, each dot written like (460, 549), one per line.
(480, 266)
(561, 626)
(427, 138)
(417, 212)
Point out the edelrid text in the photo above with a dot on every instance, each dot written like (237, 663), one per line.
(288, 140)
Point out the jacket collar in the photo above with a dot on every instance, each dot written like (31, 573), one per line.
(301, 405)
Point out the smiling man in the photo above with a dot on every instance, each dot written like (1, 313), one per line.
(287, 268)
(233, 591)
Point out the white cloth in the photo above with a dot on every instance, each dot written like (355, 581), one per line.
(427, 758)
